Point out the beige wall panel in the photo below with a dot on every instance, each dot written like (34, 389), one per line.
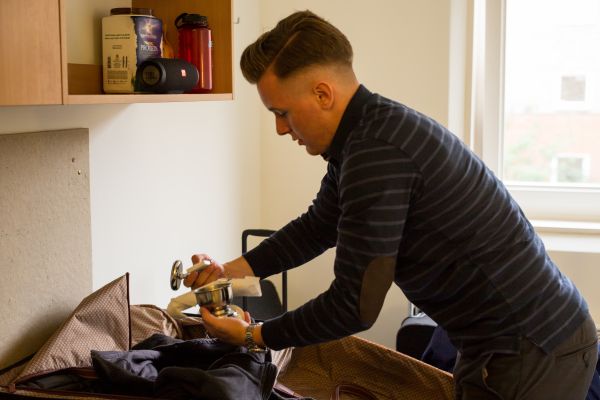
(45, 241)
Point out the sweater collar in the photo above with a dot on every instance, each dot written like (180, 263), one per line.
(350, 119)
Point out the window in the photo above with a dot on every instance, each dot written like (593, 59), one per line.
(569, 168)
(537, 99)
(572, 88)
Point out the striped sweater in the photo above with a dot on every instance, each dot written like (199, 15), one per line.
(404, 200)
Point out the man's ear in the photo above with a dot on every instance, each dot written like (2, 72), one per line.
(324, 95)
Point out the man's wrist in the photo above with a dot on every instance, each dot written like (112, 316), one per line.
(252, 338)
(238, 268)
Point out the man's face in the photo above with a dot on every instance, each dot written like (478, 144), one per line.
(298, 110)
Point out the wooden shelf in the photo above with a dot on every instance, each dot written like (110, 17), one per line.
(144, 98)
(85, 87)
(55, 49)
(84, 81)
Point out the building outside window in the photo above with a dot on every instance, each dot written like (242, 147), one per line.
(552, 92)
(543, 102)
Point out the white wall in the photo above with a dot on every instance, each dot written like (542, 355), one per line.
(582, 269)
(166, 179)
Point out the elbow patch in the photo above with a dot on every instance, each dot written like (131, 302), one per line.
(377, 279)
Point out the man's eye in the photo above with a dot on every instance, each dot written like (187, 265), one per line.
(281, 113)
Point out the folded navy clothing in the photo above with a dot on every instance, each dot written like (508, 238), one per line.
(594, 391)
(440, 352)
(170, 368)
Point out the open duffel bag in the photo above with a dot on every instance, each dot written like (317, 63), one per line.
(108, 349)
(355, 368)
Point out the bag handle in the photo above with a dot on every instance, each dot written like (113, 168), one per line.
(355, 390)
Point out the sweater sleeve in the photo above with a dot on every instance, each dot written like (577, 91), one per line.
(376, 183)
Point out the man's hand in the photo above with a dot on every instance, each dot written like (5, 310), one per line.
(228, 329)
(237, 268)
(211, 273)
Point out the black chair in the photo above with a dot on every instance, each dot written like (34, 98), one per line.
(269, 305)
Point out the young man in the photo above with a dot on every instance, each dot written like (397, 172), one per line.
(405, 202)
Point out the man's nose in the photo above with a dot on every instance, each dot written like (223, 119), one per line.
(281, 126)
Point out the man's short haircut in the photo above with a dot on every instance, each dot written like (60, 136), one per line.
(298, 41)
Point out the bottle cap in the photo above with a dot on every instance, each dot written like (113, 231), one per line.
(131, 10)
(191, 19)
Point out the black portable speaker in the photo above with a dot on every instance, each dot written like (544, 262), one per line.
(166, 75)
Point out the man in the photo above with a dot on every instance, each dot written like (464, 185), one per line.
(405, 202)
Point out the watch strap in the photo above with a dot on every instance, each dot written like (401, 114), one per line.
(251, 345)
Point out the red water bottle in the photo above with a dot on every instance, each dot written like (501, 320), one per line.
(195, 46)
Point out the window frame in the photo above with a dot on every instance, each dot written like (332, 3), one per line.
(563, 204)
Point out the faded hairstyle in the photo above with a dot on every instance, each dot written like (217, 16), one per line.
(298, 41)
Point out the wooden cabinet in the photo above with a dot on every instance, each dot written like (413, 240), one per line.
(30, 57)
(39, 42)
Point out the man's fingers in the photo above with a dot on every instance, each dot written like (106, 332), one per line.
(190, 279)
(206, 318)
(195, 279)
(213, 272)
(206, 315)
(197, 258)
(204, 276)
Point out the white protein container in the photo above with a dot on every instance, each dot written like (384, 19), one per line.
(129, 37)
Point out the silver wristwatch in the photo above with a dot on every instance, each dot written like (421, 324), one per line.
(250, 343)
